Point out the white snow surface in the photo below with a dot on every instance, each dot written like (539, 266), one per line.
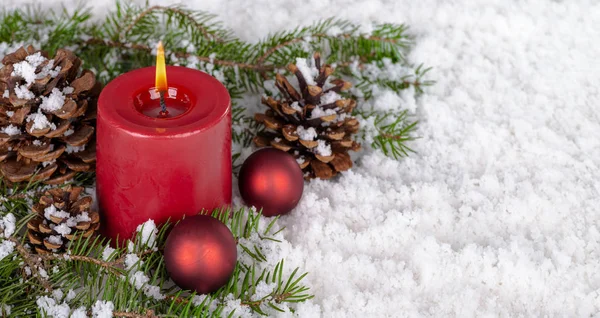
(7, 225)
(40, 121)
(498, 212)
(306, 133)
(54, 102)
(11, 130)
(102, 309)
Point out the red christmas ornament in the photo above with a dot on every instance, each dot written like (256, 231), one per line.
(200, 254)
(272, 180)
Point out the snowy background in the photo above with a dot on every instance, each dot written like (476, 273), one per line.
(499, 212)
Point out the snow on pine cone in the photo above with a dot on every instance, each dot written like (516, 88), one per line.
(61, 216)
(314, 124)
(47, 116)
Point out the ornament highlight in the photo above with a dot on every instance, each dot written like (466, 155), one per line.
(272, 180)
(200, 254)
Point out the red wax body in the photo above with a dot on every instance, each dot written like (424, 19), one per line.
(161, 168)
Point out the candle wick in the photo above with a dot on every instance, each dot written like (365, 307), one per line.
(163, 105)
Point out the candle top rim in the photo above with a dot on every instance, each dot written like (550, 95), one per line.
(116, 102)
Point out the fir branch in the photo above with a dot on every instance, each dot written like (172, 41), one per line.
(279, 46)
(114, 267)
(185, 13)
(394, 133)
(34, 263)
(147, 49)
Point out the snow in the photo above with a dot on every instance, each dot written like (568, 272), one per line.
(235, 305)
(63, 229)
(52, 211)
(69, 132)
(43, 273)
(323, 148)
(6, 309)
(26, 69)
(330, 97)
(107, 253)
(306, 133)
(23, 92)
(40, 121)
(198, 299)
(11, 130)
(102, 309)
(131, 260)
(58, 294)
(10, 113)
(35, 59)
(296, 107)
(68, 90)
(82, 217)
(263, 289)
(385, 100)
(50, 308)
(318, 112)
(497, 213)
(308, 71)
(79, 313)
(7, 225)
(70, 295)
(6, 93)
(140, 281)
(72, 149)
(47, 163)
(53, 307)
(148, 233)
(49, 69)
(6, 248)
(55, 239)
(54, 101)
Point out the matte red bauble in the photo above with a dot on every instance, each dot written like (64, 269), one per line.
(272, 180)
(200, 254)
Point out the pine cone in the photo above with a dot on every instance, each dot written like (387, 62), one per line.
(61, 217)
(314, 124)
(47, 117)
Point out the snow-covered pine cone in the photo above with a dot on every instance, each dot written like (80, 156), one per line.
(314, 123)
(47, 116)
(61, 216)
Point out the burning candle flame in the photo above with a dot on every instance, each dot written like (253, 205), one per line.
(161, 69)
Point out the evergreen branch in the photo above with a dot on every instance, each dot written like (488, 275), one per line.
(113, 267)
(176, 10)
(34, 263)
(272, 50)
(147, 49)
(392, 137)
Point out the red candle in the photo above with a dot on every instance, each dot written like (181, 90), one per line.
(157, 165)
